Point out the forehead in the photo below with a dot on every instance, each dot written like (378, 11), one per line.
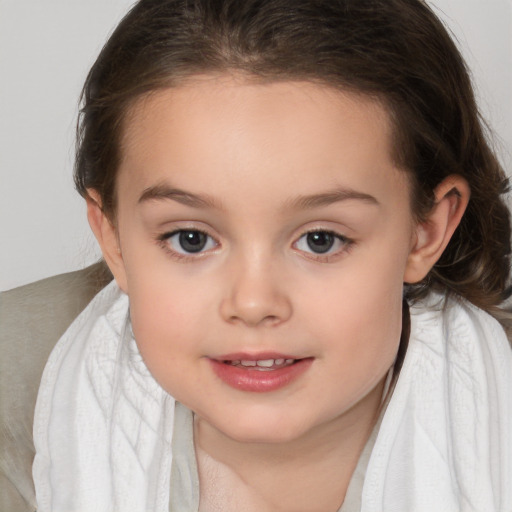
(256, 101)
(232, 131)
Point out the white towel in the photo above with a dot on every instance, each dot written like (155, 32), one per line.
(103, 426)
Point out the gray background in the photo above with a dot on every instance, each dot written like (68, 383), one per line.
(46, 49)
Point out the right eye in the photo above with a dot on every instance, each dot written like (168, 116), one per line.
(189, 241)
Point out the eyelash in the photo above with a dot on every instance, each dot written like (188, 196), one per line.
(325, 257)
(184, 256)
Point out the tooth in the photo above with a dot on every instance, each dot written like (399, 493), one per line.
(279, 361)
(247, 363)
(266, 363)
(235, 363)
(289, 361)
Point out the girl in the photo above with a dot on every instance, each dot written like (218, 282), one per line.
(306, 230)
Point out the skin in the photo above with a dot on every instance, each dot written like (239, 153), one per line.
(252, 152)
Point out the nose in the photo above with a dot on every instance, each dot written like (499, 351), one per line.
(256, 296)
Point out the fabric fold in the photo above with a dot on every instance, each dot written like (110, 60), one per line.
(445, 443)
(103, 425)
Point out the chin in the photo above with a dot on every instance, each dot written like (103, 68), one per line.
(259, 431)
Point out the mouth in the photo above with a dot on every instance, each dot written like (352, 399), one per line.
(264, 373)
(262, 365)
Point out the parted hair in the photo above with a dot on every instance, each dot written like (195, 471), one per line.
(394, 51)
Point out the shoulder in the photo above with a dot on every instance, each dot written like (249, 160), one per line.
(32, 319)
(57, 296)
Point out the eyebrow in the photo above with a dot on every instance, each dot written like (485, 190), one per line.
(330, 197)
(162, 192)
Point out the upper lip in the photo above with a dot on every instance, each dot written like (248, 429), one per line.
(247, 356)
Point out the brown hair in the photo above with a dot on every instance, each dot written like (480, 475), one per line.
(396, 51)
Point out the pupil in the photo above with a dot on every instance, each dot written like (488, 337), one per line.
(192, 241)
(320, 241)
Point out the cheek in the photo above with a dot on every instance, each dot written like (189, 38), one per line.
(360, 323)
(164, 317)
(161, 316)
(167, 335)
(359, 313)
(362, 342)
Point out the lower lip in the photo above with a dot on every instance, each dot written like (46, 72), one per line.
(258, 381)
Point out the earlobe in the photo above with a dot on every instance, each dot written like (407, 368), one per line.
(432, 236)
(106, 235)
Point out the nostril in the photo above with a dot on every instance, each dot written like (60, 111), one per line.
(255, 320)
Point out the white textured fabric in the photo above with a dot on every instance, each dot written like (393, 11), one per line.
(103, 426)
(445, 443)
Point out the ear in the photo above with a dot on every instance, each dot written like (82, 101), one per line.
(106, 235)
(432, 236)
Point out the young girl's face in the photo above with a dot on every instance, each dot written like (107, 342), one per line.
(264, 234)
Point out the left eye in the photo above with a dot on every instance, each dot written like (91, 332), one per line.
(189, 241)
(321, 242)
